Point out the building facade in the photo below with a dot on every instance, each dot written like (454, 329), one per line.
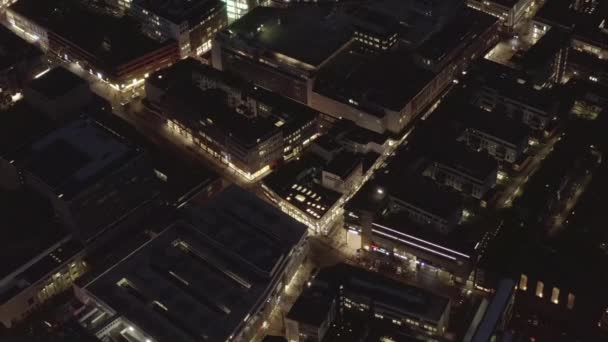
(509, 11)
(367, 297)
(474, 179)
(233, 289)
(193, 24)
(499, 148)
(244, 127)
(114, 51)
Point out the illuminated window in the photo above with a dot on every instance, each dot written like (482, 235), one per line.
(523, 282)
(571, 298)
(539, 289)
(555, 295)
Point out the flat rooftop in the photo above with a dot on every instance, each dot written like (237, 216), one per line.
(292, 32)
(186, 99)
(388, 80)
(510, 83)
(13, 49)
(424, 194)
(414, 189)
(296, 182)
(211, 106)
(461, 238)
(385, 291)
(183, 178)
(280, 113)
(52, 260)
(494, 124)
(206, 274)
(467, 26)
(587, 61)
(185, 71)
(556, 13)
(29, 228)
(75, 156)
(457, 156)
(343, 164)
(327, 143)
(56, 82)
(312, 306)
(591, 91)
(544, 50)
(284, 112)
(348, 130)
(114, 198)
(21, 125)
(179, 11)
(369, 19)
(590, 27)
(110, 41)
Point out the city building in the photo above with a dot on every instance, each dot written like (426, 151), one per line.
(544, 267)
(501, 137)
(40, 258)
(312, 314)
(590, 30)
(19, 63)
(236, 9)
(192, 24)
(585, 22)
(545, 62)
(386, 92)
(347, 135)
(214, 274)
(368, 298)
(237, 124)
(21, 126)
(360, 140)
(412, 219)
(590, 100)
(58, 93)
(376, 31)
(556, 14)
(326, 147)
(343, 173)
(587, 67)
(469, 172)
(584, 19)
(425, 203)
(370, 90)
(183, 180)
(456, 44)
(501, 89)
(110, 48)
(93, 177)
(297, 189)
(510, 12)
(278, 48)
(438, 11)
